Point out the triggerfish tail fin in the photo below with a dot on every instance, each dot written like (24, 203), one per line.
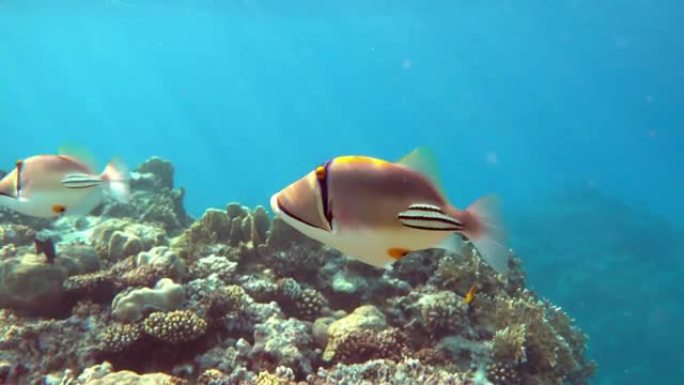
(484, 227)
(423, 160)
(117, 177)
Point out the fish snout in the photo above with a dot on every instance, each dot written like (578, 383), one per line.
(302, 202)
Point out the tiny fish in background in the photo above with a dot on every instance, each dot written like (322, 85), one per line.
(470, 295)
(45, 245)
(48, 186)
(378, 211)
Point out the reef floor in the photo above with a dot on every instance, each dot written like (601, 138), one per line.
(144, 294)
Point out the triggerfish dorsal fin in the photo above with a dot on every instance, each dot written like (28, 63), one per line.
(423, 160)
(80, 153)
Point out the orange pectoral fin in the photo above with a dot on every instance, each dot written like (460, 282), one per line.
(58, 209)
(397, 252)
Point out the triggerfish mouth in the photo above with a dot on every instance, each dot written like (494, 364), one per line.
(48, 186)
(378, 211)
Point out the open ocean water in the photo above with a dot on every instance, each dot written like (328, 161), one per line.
(572, 111)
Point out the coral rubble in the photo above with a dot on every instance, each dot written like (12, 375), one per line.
(144, 294)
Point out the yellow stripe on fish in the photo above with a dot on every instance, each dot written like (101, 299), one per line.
(361, 160)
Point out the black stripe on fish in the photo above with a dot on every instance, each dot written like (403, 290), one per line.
(80, 181)
(20, 164)
(431, 220)
(322, 178)
(283, 209)
(426, 207)
(450, 229)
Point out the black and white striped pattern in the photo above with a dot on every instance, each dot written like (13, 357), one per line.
(428, 217)
(80, 181)
(426, 207)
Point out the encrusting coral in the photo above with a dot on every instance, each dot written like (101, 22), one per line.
(142, 293)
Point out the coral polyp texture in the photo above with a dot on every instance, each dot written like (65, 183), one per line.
(144, 294)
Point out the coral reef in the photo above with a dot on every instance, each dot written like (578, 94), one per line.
(142, 294)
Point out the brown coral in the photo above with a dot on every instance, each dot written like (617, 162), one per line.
(210, 377)
(119, 337)
(98, 285)
(364, 345)
(175, 327)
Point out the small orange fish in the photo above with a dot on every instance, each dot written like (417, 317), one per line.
(378, 211)
(52, 185)
(470, 295)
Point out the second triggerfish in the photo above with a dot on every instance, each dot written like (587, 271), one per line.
(378, 211)
(48, 186)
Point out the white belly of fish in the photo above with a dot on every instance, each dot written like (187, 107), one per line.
(42, 204)
(372, 246)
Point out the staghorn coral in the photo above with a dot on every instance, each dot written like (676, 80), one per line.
(509, 344)
(175, 327)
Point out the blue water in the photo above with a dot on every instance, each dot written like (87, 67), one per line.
(572, 111)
